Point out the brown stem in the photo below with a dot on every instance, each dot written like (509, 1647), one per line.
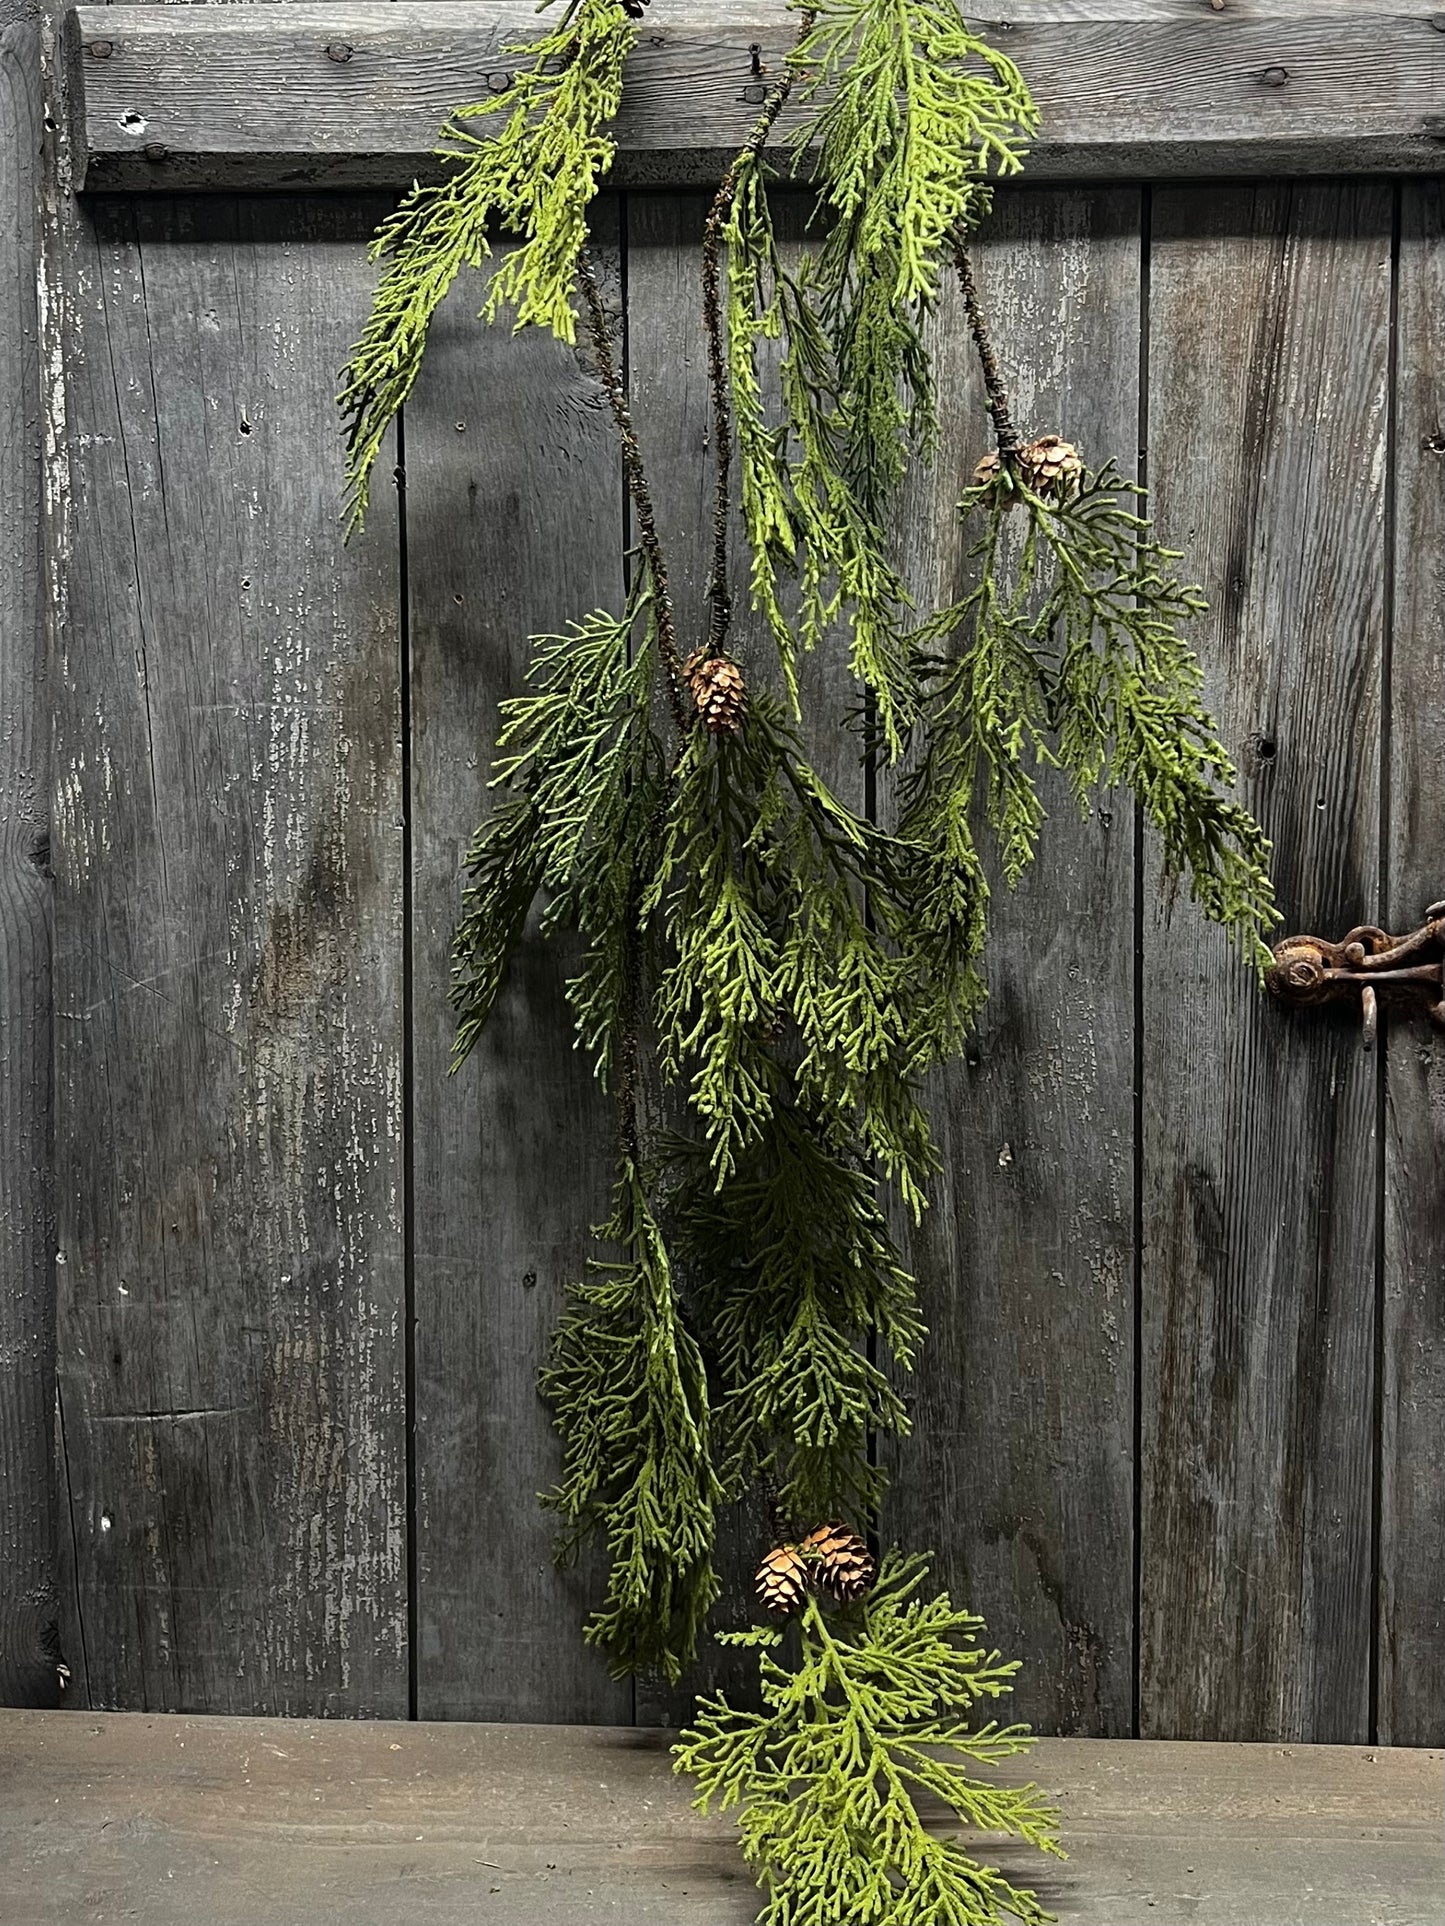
(1003, 427)
(683, 713)
(719, 601)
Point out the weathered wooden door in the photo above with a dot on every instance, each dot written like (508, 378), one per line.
(1179, 1424)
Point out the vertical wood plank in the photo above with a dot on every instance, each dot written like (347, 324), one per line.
(1412, 1512)
(514, 527)
(229, 1039)
(1270, 310)
(29, 1647)
(1020, 1467)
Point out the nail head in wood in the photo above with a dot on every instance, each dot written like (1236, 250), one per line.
(339, 51)
(100, 49)
(1275, 76)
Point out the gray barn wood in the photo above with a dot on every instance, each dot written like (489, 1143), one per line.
(1021, 1467)
(29, 1645)
(1267, 433)
(248, 1822)
(238, 1524)
(1412, 1321)
(514, 517)
(346, 94)
(228, 980)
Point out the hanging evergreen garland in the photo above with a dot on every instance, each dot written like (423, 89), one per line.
(791, 967)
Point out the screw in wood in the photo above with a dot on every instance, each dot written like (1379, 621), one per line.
(1275, 76)
(155, 150)
(340, 51)
(100, 49)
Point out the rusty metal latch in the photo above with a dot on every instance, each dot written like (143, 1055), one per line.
(1408, 971)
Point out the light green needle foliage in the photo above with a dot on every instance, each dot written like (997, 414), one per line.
(801, 507)
(533, 175)
(1073, 654)
(629, 1392)
(918, 112)
(875, 1716)
(584, 771)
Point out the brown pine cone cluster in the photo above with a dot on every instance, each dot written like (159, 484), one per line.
(834, 1559)
(718, 689)
(1050, 466)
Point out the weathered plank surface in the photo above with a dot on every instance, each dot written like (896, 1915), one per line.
(1269, 320)
(1412, 1444)
(352, 94)
(228, 983)
(28, 1518)
(514, 527)
(1020, 1470)
(246, 1822)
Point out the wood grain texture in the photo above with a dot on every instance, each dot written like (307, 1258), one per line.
(1020, 1467)
(1270, 312)
(228, 983)
(29, 1648)
(345, 94)
(1412, 1445)
(514, 527)
(248, 1822)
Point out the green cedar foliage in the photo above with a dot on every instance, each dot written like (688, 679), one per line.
(629, 1389)
(874, 1713)
(916, 112)
(792, 968)
(1068, 650)
(534, 176)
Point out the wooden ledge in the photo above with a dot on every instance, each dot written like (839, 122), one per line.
(351, 95)
(266, 1822)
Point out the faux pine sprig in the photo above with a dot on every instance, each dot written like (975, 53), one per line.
(875, 1714)
(533, 175)
(792, 965)
(628, 1386)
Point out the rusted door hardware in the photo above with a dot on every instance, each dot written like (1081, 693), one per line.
(1408, 971)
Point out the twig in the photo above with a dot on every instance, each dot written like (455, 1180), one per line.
(719, 601)
(1003, 427)
(648, 540)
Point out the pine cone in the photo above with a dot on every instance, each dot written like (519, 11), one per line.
(987, 470)
(718, 690)
(842, 1563)
(1052, 467)
(782, 1580)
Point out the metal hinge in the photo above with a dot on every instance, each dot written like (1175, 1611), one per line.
(1407, 971)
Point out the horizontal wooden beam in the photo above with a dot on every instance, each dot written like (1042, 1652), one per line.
(351, 95)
